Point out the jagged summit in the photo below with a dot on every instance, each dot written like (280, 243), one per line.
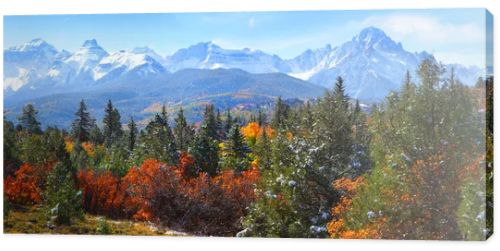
(90, 43)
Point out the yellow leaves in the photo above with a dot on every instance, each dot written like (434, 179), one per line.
(69, 145)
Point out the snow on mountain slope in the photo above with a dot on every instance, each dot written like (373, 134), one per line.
(88, 56)
(210, 56)
(372, 65)
(27, 62)
(122, 62)
(150, 52)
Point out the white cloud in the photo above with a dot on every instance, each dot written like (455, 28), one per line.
(449, 42)
(426, 29)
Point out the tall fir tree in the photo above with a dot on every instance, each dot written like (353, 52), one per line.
(281, 111)
(63, 200)
(235, 151)
(82, 124)
(132, 134)
(160, 141)
(28, 120)
(183, 132)
(112, 127)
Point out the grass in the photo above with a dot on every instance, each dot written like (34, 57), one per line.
(32, 220)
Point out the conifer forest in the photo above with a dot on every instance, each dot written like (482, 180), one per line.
(417, 165)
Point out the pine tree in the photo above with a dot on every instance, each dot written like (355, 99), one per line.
(112, 128)
(261, 118)
(132, 134)
(281, 111)
(82, 125)
(262, 150)
(28, 120)
(64, 201)
(160, 143)
(229, 122)
(96, 136)
(205, 147)
(235, 151)
(210, 122)
(183, 132)
(205, 151)
(221, 134)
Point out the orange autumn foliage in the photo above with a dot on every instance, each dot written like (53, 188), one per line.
(336, 227)
(24, 187)
(170, 195)
(103, 193)
(252, 131)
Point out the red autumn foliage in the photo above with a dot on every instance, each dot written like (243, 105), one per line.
(167, 195)
(103, 193)
(24, 187)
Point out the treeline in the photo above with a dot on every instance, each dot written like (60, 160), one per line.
(320, 169)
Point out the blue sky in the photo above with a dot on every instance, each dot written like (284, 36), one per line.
(453, 35)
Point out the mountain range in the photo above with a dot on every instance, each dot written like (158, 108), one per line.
(372, 65)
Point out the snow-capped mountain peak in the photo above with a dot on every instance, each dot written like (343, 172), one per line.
(87, 57)
(207, 55)
(149, 52)
(90, 43)
(371, 63)
(123, 62)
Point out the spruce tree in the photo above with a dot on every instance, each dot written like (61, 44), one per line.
(112, 128)
(96, 136)
(28, 120)
(210, 122)
(183, 132)
(235, 151)
(63, 200)
(160, 143)
(280, 116)
(82, 124)
(261, 118)
(229, 121)
(205, 151)
(132, 134)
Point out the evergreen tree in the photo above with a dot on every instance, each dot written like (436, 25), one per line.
(132, 134)
(28, 120)
(64, 201)
(210, 122)
(10, 149)
(112, 127)
(96, 136)
(261, 118)
(262, 150)
(82, 125)
(235, 151)
(205, 151)
(281, 111)
(229, 122)
(279, 208)
(160, 143)
(183, 132)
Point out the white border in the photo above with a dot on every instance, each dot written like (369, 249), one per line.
(42, 242)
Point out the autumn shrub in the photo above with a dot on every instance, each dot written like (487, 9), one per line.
(24, 187)
(203, 204)
(103, 193)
